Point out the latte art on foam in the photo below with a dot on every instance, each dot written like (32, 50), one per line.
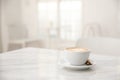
(75, 49)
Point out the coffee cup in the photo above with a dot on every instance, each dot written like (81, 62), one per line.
(76, 56)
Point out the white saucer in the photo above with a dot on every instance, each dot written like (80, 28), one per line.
(81, 67)
(77, 67)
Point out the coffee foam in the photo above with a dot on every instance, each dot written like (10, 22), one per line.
(75, 49)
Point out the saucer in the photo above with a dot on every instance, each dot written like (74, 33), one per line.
(81, 67)
(77, 67)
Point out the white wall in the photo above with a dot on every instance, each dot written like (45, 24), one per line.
(119, 16)
(0, 30)
(3, 29)
(21, 16)
(30, 16)
(13, 17)
(103, 12)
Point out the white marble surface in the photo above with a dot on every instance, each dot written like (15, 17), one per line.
(41, 64)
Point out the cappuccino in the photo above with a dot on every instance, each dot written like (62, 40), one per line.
(76, 56)
(76, 49)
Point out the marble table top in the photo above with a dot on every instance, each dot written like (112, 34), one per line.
(42, 64)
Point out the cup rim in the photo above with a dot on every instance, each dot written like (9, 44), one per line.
(86, 49)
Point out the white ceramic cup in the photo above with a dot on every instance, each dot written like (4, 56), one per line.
(76, 56)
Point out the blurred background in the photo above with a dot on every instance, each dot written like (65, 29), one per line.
(56, 24)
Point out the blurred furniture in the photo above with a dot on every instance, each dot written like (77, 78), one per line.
(61, 44)
(3, 39)
(17, 44)
(100, 45)
(20, 14)
(1, 45)
(92, 30)
(21, 39)
(41, 64)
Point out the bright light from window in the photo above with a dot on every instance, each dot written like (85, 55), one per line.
(69, 18)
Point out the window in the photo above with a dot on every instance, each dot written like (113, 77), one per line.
(63, 16)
